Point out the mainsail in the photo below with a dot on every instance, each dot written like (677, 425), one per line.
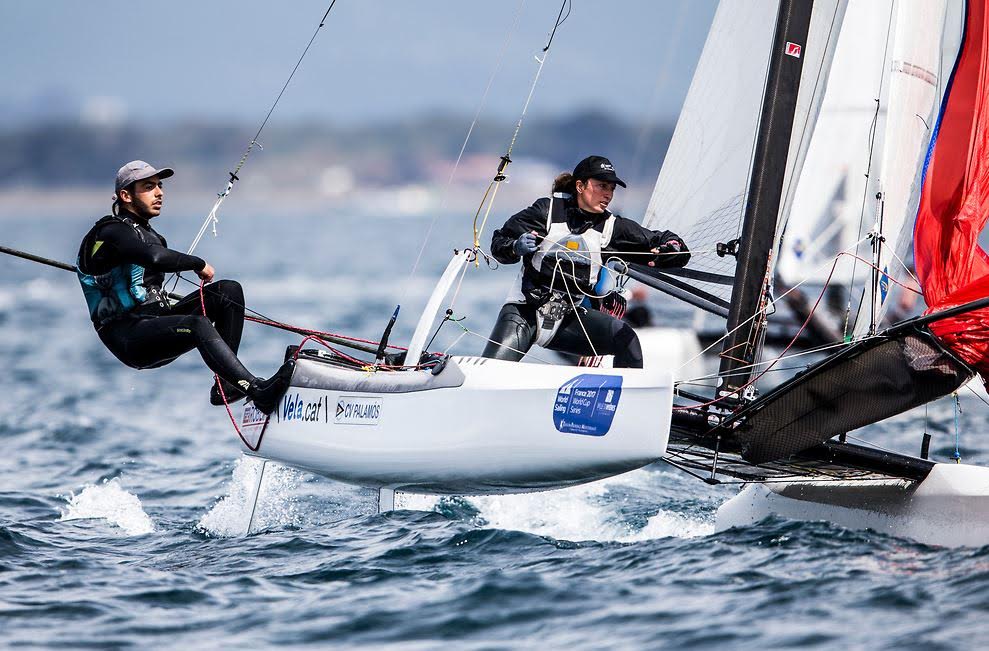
(742, 136)
(954, 204)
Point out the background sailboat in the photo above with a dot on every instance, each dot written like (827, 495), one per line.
(782, 438)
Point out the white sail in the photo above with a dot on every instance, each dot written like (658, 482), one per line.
(700, 193)
(829, 199)
(914, 95)
(701, 189)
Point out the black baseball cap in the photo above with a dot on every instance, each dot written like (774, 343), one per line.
(597, 167)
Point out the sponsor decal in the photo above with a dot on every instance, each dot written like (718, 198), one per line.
(294, 408)
(793, 50)
(252, 424)
(884, 285)
(587, 404)
(357, 410)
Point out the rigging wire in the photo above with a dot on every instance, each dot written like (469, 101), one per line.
(211, 217)
(873, 130)
(492, 189)
(506, 159)
(470, 131)
(753, 380)
(765, 308)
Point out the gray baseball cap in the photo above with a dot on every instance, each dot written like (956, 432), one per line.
(138, 170)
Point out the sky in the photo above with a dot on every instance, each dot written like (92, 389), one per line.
(373, 60)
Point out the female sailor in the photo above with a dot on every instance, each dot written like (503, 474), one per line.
(563, 241)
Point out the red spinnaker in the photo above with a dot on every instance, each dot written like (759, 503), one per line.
(954, 202)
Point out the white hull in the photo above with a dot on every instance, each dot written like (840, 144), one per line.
(480, 427)
(949, 508)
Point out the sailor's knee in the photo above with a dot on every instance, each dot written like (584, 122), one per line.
(626, 335)
(198, 325)
(230, 290)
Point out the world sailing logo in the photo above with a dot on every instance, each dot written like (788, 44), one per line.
(587, 404)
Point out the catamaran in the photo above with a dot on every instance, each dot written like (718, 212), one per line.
(448, 424)
(420, 421)
(790, 442)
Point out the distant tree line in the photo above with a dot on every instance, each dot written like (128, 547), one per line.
(76, 154)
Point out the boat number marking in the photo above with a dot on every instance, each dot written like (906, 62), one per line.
(357, 410)
(587, 404)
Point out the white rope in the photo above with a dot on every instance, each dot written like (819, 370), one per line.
(503, 345)
(576, 313)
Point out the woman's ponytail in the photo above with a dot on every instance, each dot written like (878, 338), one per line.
(565, 182)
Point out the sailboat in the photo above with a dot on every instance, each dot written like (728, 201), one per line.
(422, 421)
(789, 442)
(461, 425)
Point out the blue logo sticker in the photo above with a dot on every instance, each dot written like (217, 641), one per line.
(587, 404)
(884, 285)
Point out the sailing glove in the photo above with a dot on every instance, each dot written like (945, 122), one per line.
(670, 246)
(526, 244)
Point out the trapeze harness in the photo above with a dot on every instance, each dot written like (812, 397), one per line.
(120, 290)
(565, 268)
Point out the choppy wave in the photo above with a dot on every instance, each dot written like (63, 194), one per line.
(124, 502)
(109, 501)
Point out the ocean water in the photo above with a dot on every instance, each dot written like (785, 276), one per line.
(123, 498)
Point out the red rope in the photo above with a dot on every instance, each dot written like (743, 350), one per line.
(778, 357)
(317, 333)
(223, 394)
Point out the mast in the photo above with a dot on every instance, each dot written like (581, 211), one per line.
(749, 292)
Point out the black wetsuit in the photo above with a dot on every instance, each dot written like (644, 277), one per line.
(516, 328)
(154, 333)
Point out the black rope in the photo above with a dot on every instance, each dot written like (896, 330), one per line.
(254, 141)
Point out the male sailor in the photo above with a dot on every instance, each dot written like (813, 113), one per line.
(122, 265)
(563, 241)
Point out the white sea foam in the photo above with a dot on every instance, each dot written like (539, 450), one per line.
(276, 505)
(110, 502)
(580, 513)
